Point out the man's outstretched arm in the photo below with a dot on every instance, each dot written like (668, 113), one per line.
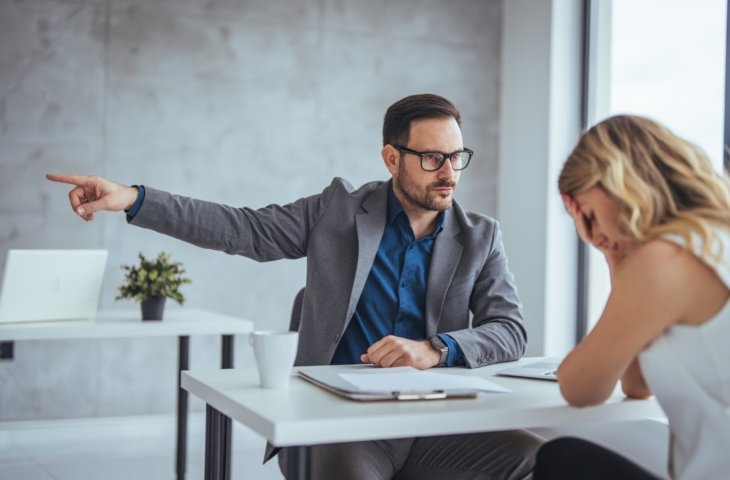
(266, 234)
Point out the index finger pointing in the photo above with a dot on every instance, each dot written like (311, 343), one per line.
(80, 180)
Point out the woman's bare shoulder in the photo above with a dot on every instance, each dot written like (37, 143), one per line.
(664, 269)
(660, 248)
(655, 257)
(665, 272)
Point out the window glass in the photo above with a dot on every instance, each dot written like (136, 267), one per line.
(667, 62)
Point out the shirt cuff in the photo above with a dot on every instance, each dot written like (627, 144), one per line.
(135, 208)
(456, 356)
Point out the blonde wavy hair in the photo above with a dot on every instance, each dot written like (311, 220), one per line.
(662, 184)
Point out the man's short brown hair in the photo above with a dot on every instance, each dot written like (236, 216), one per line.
(401, 115)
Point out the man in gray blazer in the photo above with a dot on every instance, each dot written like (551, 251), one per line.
(393, 271)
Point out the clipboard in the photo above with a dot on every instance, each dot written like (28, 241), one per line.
(332, 382)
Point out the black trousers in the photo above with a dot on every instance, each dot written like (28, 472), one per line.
(507, 455)
(572, 458)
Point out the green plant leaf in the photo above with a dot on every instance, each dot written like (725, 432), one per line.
(160, 278)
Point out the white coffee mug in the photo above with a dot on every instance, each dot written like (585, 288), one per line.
(275, 353)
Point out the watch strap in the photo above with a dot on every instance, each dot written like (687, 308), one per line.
(440, 346)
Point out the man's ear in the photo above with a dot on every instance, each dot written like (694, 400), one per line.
(391, 157)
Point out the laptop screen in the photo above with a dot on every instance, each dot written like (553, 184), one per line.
(43, 285)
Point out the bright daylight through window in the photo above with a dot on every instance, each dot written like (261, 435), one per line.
(663, 59)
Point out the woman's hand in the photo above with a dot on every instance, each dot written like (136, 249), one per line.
(583, 228)
(633, 383)
(582, 225)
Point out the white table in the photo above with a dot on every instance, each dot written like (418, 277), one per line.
(126, 323)
(306, 415)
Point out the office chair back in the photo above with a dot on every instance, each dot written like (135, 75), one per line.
(296, 312)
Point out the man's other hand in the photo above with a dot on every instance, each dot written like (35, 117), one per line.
(93, 194)
(394, 351)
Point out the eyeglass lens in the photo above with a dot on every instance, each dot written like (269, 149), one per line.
(432, 161)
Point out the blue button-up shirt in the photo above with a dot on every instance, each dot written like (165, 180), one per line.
(393, 301)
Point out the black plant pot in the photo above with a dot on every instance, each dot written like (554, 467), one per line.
(152, 308)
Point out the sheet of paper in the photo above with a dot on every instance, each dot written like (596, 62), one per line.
(418, 381)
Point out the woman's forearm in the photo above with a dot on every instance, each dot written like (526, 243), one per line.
(580, 383)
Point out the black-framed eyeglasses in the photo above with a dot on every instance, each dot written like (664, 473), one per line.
(432, 161)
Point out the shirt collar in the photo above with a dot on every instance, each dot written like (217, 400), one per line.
(395, 209)
(394, 206)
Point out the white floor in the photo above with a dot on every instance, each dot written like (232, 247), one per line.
(142, 448)
(124, 448)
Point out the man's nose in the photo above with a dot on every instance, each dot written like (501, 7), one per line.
(446, 170)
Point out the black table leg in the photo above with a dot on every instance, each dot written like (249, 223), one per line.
(217, 445)
(226, 351)
(227, 362)
(298, 463)
(182, 408)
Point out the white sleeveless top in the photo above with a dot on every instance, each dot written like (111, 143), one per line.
(688, 369)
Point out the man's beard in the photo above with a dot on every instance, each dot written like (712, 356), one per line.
(422, 197)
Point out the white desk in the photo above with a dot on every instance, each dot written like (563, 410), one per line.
(306, 415)
(127, 323)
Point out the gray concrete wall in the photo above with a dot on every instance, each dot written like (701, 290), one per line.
(241, 102)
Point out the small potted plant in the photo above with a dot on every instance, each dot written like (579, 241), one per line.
(152, 282)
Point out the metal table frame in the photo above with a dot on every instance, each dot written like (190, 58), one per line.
(227, 348)
(218, 428)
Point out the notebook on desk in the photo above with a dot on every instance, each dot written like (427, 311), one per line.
(400, 383)
(42, 285)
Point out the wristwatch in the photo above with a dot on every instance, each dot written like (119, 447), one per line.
(440, 346)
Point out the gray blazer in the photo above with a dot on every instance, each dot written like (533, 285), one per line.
(339, 231)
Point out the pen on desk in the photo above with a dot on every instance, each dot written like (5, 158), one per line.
(435, 395)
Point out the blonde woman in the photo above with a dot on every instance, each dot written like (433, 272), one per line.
(653, 205)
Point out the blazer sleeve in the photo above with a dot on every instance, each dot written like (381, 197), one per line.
(498, 331)
(270, 233)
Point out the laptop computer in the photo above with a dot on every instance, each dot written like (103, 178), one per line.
(545, 369)
(42, 285)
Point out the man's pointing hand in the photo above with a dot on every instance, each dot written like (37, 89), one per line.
(93, 194)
